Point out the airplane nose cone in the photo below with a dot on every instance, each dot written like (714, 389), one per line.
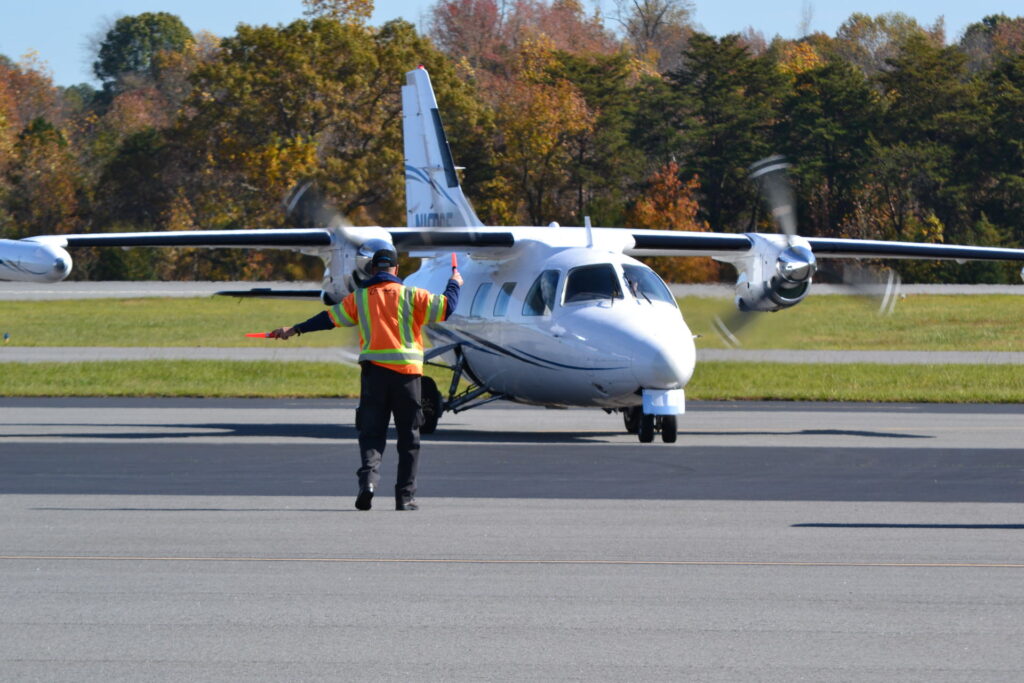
(660, 365)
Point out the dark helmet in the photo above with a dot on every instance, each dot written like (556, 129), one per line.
(385, 258)
(373, 252)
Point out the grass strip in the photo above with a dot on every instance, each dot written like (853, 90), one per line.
(712, 381)
(921, 322)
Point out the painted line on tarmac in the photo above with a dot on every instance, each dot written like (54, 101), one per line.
(629, 563)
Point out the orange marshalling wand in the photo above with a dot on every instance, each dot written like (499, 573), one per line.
(455, 261)
(261, 335)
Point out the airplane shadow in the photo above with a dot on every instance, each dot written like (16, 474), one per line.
(142, 433)
(286, 430)
(812, 432)
(830, 525)
(187, 509)
(493, 465)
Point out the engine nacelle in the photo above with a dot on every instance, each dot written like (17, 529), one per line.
(775, 274)
(347, 262)
(33, 260)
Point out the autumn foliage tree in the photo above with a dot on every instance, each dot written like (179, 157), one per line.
(42, 188)
(538, 117)
(891, 132)
(489, 35)
(669, 203)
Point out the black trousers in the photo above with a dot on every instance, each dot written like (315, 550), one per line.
(384, 393)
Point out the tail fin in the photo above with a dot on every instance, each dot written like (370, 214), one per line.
(433, 197)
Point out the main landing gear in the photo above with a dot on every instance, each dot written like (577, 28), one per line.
(434, 404)
(644, 426)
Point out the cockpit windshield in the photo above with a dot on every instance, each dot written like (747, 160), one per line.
(645, 285)
(588, 283)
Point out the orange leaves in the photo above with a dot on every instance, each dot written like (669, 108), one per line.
(668, 203)
(671, 204)
(798, 57)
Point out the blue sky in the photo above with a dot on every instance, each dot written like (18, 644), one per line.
(60, 30)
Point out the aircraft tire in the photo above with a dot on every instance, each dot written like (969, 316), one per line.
(646, 431)
(430, 401)
(669, 428)
(631, 418)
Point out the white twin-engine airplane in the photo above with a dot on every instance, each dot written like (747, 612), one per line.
(553, 316)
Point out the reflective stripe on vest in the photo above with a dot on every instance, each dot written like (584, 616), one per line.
(363, 307)
(438, 303)
(406, 310)
(340, 317)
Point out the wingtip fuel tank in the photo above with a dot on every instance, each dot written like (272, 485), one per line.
(33, 261)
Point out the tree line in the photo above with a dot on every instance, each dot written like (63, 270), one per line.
(637, 119)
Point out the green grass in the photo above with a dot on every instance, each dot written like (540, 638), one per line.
(935, 323)
(930, 323)
(188, 378)
(214, 321)
(920, 323)
(712, 381)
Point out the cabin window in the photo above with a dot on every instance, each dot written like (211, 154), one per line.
(645, 285)
(541, 299)
(501, 301)
(477, 309)
(589, 283)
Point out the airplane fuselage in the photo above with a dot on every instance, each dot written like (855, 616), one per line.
(564, 326)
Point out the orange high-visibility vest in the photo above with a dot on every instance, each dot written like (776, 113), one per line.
(390, 317)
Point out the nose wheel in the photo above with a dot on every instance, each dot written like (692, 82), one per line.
(645, 426)
(668, 428)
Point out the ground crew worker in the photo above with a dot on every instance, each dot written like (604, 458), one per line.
(390, 317)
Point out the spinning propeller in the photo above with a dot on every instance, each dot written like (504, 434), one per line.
(795, 263)
(786, 281)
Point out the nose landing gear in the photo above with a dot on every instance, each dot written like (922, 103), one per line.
(644, 426)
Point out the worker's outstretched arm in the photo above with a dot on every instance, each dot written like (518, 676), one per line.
(337, 315)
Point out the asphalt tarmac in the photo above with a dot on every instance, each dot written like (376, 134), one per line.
(147, 539)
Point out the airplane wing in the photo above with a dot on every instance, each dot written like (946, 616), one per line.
(405, 239)
(645, 242)
(415, 239)
(43, 258)
(845, 248)
(671, 243)
(254, 239)
(680, 243)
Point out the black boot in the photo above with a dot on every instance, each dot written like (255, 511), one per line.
(403, 503)
(365, 498)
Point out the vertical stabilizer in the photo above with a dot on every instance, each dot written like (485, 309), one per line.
(433, 197)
